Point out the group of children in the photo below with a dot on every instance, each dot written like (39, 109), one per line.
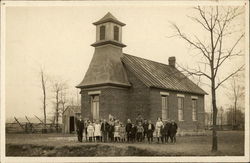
(116, 131)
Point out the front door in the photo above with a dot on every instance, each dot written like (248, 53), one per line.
(71, 124)
(95, 107)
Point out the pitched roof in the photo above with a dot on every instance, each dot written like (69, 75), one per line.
(75, 108)
(109, 18)
(158, 75)
(105, 68)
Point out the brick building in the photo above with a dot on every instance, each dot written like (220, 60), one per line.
(124, 85)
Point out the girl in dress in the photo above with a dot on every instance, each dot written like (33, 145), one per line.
(117, 132)
(158, 126)
(122, 133)
(97, 132)
(90, 132)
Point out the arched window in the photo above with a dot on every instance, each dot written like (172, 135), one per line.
(102, 32)
(116, 33)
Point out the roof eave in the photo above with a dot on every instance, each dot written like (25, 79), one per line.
(204, 93)
(99, 43)
(109, 20)
(81, 86)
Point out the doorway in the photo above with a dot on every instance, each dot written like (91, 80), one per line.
(71, 124)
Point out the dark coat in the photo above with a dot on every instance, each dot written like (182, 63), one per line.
(111, 129)
(145, 127)
(167, 128)
(80, 125)
(152, 128)
(128, 127)
(105, 127)
(173, 128)
(133, 131)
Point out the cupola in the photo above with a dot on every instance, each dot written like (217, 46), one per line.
(108, 31)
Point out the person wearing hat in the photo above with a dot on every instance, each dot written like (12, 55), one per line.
(80, 128)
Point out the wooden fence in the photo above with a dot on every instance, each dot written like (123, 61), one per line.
(32, 128)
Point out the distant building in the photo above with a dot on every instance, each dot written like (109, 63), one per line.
(69, 117)
(124, 85)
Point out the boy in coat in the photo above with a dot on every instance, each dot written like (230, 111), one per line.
(173, 131)
(133, 132)
(140, 131)
(150, 131)
(145, 127)
(128, 130)
(167, 130)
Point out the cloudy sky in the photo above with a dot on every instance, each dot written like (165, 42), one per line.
(58, 39)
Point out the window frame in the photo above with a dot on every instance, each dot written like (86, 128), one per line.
(116, 31)
(180, 109)
(166, 108)
(194, 98)
(97, 103)
(102, 34)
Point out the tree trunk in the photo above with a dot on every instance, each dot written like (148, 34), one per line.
(44, 99)
(235, 110)
(57, 105)
(214, 135)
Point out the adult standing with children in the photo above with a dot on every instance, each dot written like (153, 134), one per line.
(80, 128)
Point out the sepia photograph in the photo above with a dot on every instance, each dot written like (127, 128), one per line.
(124, 81)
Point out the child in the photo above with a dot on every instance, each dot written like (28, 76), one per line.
(133, 132)
(158, 127)
(97, 132)
(90, 131)
(122, 133)
(117, 131)
(150, 131)
(140, 131)
(111, 130)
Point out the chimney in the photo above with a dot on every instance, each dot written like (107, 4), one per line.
(171, 61)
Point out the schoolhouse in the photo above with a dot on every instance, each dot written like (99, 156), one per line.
(124, 85)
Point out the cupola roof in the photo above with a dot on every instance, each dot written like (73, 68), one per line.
(109, 18)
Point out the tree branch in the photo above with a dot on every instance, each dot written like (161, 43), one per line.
(235, 72)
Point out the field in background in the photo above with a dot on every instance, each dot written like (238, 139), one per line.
(231, 143)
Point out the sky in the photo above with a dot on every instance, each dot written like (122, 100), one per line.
(58, 39)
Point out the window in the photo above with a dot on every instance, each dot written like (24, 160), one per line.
(116, 33)
(164, 104)
(194, 109)
(180, 108)
(95, 106)
(102, 32)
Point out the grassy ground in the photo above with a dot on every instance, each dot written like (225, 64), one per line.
(231, 143)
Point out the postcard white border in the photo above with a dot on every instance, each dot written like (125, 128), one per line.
(4, 4)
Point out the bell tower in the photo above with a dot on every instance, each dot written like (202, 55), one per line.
(109, 31)
(106, 67)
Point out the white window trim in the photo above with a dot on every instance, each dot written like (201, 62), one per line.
(164, 93)
(194, 97)
(180, 95)
(94, 92)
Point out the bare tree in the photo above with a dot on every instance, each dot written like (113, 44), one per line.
(236, 94)
(214, 51)
(58, 87)
(44, 100)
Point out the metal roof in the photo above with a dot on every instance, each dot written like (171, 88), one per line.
(159, 75)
